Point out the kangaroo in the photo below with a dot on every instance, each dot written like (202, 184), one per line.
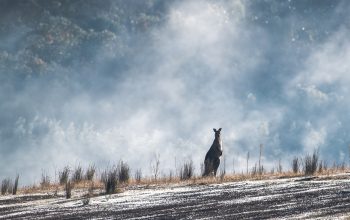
(212, 158)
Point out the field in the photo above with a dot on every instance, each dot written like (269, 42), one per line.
(322, 197)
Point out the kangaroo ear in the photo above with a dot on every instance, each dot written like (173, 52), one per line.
(214, 129)
(219, 129)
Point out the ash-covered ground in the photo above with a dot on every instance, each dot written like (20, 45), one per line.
(293, 198)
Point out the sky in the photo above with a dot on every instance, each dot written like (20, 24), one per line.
(267, 72)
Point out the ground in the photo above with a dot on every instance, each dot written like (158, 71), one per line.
(286, 198)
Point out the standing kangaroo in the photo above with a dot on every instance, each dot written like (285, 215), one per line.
(212, 158)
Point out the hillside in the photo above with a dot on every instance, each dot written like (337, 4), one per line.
(324, 197)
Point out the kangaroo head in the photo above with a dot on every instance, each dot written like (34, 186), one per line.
(217, 133)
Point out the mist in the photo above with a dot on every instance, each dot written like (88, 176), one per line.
(95, 83)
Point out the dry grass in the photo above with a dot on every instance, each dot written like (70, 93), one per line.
(85, 184)
(146, 182)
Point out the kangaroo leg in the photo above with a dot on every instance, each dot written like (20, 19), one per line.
(216, 165)
(208, 167)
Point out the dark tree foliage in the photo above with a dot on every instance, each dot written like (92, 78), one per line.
(37, 36)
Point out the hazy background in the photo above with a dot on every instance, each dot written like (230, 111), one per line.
(93, 82)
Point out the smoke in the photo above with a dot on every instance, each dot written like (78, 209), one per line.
(267, 73)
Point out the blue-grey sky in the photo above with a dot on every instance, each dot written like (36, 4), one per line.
(93, 83)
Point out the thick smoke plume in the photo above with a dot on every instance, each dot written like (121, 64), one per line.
(93, 82)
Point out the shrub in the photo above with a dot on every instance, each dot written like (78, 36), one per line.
(68, 189)
(310, 163)
(187, 170)
(155, 166)
(5, 186)
(123, 172)
(170, 176)
(15, 186)
(254, 170)
(109, 179)
(295, 165)
(45, 180)
(90, 172)
(320, 167)
(138, 175)
(257, 170)
(342, 166)
(63, 175)
(261, 170)
(77, 174)
(91, 189)
(279, 167)
(325, 165)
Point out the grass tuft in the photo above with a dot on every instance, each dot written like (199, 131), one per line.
(64, 175)
(187, 170)
(15, 186)
(123, 172)
(90, 172)
(110, 180)
(77, 174)
(310, 163)
(5, 186)
(68, 189)
(295, 165)
(45, 180)
(138, 175)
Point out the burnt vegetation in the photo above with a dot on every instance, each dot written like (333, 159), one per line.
(187, 170)
(109, 179)
(8, 186)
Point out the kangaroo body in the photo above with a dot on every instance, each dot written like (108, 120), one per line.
(212, 158)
